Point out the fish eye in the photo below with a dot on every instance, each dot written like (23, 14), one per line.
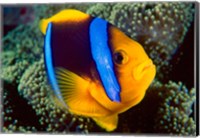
(120, 57)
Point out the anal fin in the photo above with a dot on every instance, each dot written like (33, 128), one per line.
(107, 122)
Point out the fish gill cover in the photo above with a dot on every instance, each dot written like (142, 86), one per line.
(165, 30)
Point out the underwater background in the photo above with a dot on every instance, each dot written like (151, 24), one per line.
(164, 29)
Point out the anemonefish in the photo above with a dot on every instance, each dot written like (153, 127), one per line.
(94, 69)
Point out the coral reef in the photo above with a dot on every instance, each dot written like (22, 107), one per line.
(30, 106)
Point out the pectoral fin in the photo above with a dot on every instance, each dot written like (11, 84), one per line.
(75, 92)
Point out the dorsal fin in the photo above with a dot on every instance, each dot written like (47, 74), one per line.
(70, 15)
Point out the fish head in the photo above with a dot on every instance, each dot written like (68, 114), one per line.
(134, 69)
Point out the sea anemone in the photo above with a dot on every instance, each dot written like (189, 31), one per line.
(166, 110)
(173, 115)
(19, 51)
(160, 28)
(34, 87)
(11, 117)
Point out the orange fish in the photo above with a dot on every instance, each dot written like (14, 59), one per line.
(94, 69)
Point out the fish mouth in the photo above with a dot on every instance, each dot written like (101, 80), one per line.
(142, 68)
(148, 65)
